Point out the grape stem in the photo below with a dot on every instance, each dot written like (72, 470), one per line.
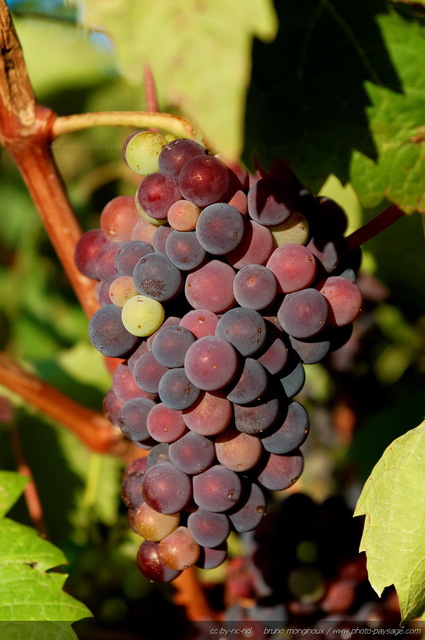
(373, 227)
(139, 119)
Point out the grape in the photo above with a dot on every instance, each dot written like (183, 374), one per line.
(108, 334)
(141, 349)
(160, 237)
(125, 386)
(240, 202)
(209, 415)
(279, 472)
(87, 250)
(255, 286)
(179, 550)
(256, 246)
(176, 390)
(326, 250)
(129, 254)
(211, 363)
(151, 565)
(135, 466)
(105, 267)
(132, 419)
(210, 558)
(192, 453)
(293, 378)
(143, 230)
(250, 384)
(203, 180)
(244, 328)
(118, 218)
(141, 151)
(311, 350)
(270, 201)
(155, 276)
(184, 250)
(112, 406)
(155, 195)
(170, 344)
(294, 267)
(274, 357)
(333, 217)
(153, 525)
(158, 454)
(219, 228)
(121, 289)
(102, 291)
(294, 230)
(166, 489)
(200, 322)
(291, 433)
(147, 372)
(256, 417)
(344, 300)
(303, 314)
(176, 153)
(183, 215)
(237, 451)
(207, 528)
(211, 287)
(165, 424)
(131, 488)
(142, 315)
(217, 489)
(250, 511)
(171, 321)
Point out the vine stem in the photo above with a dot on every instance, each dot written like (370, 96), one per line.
(139, 119)
(374, 227)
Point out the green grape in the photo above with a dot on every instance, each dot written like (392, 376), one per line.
(141, 151)
(141, 316)
(295, 230)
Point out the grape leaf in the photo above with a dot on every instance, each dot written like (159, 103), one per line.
(11, 487)
(199, 53)
(27, 591)
(37, 631)
(393, 500)
(340, 91)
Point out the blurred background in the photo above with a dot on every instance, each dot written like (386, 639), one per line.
(363, 397)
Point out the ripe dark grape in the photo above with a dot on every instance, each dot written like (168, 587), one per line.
(238, 451)
(156, 193)
(133, 417)
(274, 357)
(160, 237)
(176, 390)
(203, 180)
(303, 314)
(124, 385)
(184, 250)
(155, 276)
(166, 489)
(211, 287)
(249, 384)
(294, 267)
(192, 453)
(200, 322)
(218, 489)
(292, 379)
(108, 334)
(129, 254)
(211, 363)
(258, 416)
(256, 246)
(291, 433)
(165, 424)
(179, 550)
(220, 228)
(212, 557)
(270, 201)
(251, 509)
(147, 372)
(209, 415)
(255, 286)
(151, 565)
(209, 529)
(244, 328)
(279, 472)
(170, 344)
(176, 153)
(87, 250)
(344, 299)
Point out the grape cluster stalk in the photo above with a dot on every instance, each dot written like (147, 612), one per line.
(216, 287)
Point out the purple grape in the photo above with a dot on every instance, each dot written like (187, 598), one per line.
(244, 328)
(220, 228)
(211, 363)
(211, 287)
(160, 237)
(158, 454)
(279, 472)
(184, 250)
(218, 489)
(176, 390)
(210, 558)
(270, 201)
(294, 267)
(304, 313)
(175, 155)
(311, 350)
(249, 384)
(156, 193)
(238, 451)
(291, 433)
(166, 489)
(165, 424)
(192, 453)
(170, 345)
(274, 357)
(250, 511)
(87, 250)
(151, 565)
(203, 180)
(256, 417)
(255, 286)
(156, 277)
(133, 417)
(207, 528)
(108, 334)
(147, 372)
(293, 379)
(129, 254)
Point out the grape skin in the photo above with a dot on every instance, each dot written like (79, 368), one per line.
(108, 334)
(203, 180)
(209, 529)
(165, 424)
(291, 433)
(192, 453)
(344, 300)
(179, 550)
(184, 250)
(244, 328)
(176, 153)
(256, 246)
(294, 267)
(248, 514)
(166, 489)
(176, 390)
(270, 202)
(118, 218)
(170, 344)
(249, 384)
(237, 451)
(133, 417)
(151, 565)
(256, 417)
(218, 489)
(155, 195)
(220, 228)
(147, 372)
(255, 286)
(279, 472)
(303, 314)
(211, 363)
(156, 277)
(153, 525)
(211, 287)
(87, 250)
(129, 254)
(200, 322)
(209, 415)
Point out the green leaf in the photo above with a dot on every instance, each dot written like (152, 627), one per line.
(37, 631)
(21, 544)
(199, 53)
(393, 501)
(11, 486)
(339, 92)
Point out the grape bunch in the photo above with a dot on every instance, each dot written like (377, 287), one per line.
(215, 288)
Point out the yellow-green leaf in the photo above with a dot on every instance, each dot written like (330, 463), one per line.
(11, 486)
(393, 501)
